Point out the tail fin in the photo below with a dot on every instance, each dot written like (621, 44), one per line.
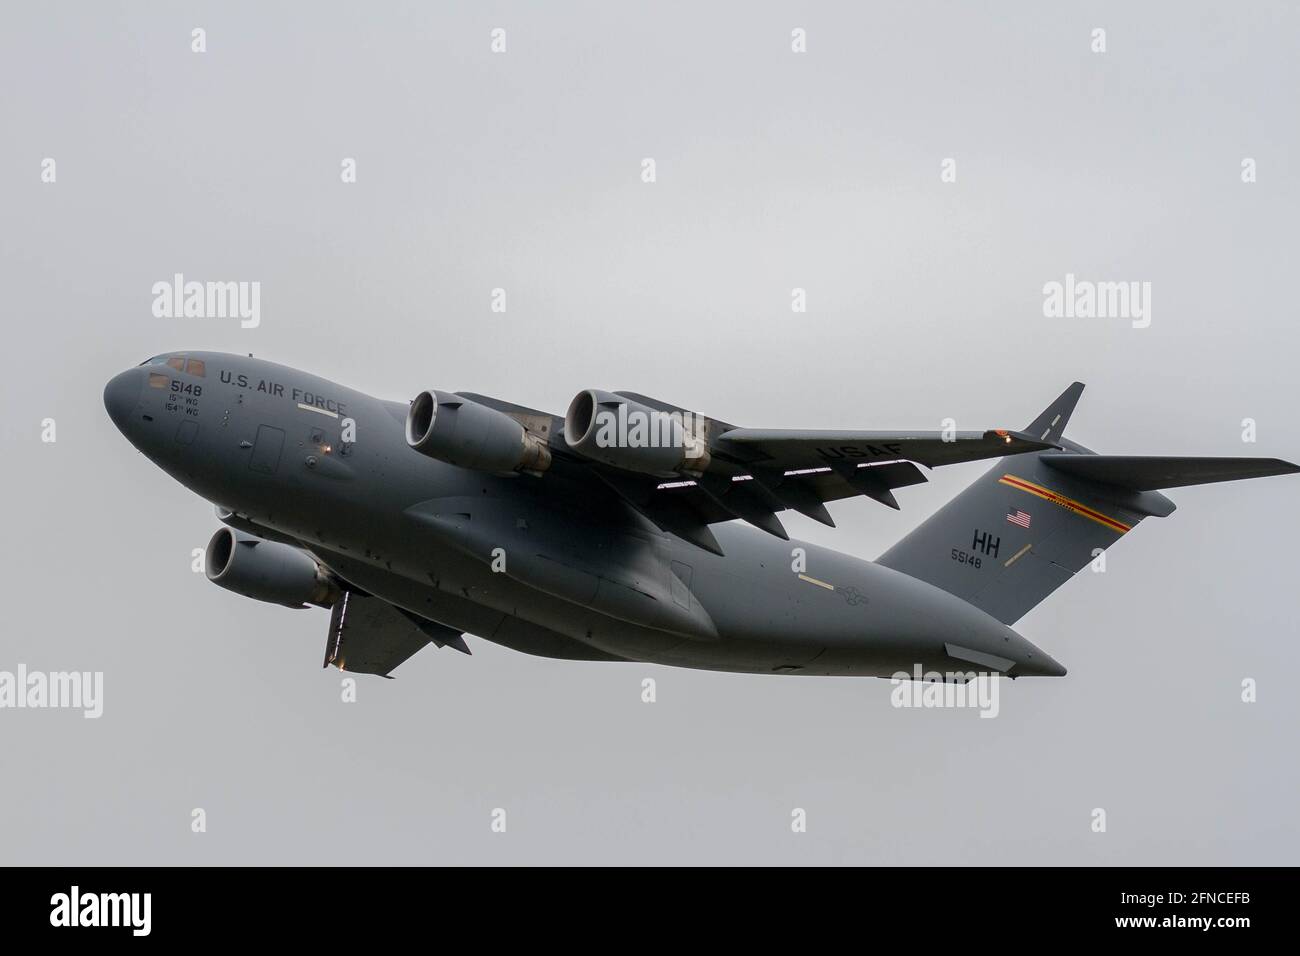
(1033, 520)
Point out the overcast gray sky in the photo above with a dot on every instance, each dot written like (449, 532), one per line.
(775, 170)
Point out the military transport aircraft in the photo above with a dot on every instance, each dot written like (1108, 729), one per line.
(629, 529)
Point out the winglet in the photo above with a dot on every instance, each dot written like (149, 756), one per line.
(1051, 423)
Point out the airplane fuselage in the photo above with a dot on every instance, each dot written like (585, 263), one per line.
(541, 565)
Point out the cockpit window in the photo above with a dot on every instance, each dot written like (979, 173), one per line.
(195, 367)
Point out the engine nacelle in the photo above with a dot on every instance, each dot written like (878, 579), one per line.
(624, 433)
(462, 432)
(267, 570)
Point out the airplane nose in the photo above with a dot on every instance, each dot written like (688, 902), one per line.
(122, 395)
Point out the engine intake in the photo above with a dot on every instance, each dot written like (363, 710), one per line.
(267, 571)
(462, 432)
(619, 431)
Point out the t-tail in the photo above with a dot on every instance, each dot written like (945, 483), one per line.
(1032, 521)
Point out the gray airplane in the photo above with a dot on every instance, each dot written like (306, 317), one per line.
(629, 529)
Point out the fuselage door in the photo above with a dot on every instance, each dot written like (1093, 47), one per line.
(267, 449)
(680, 581)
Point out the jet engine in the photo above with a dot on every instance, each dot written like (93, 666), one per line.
(267, 570)
(619, 431)
(463, 432)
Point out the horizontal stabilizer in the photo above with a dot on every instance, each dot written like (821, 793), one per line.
(1150, 473)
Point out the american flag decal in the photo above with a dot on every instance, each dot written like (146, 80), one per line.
(1019, 517)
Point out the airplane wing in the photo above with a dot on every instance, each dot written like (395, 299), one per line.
(754, 473)
(804, 468)
(759, 472)
(370, 636)
(794, 449)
